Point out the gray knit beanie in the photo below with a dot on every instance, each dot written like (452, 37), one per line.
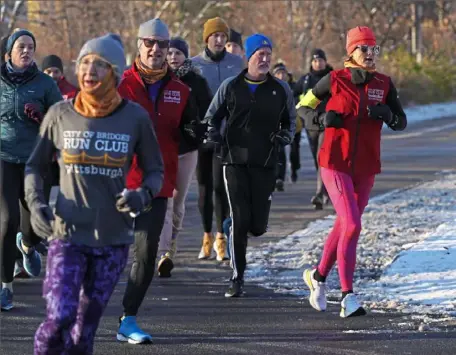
(110, 49)
(155, 27)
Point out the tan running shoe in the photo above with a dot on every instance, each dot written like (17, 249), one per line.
(220, 248)
(165, 266)
(206, 249)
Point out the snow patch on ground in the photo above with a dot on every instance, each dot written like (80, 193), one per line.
(406, 254)
(430, 112)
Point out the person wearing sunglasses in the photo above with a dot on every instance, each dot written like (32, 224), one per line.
(361, 101)
(94, 136)
(216, 65)
(153, 85)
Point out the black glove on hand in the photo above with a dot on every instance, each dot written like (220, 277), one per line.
(214, 138)
(133, 201)
(332, 119)
(196, 130)
(281, 137)
(380, 112)
(41, 217)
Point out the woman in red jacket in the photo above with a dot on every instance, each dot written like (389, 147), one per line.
(361, 101)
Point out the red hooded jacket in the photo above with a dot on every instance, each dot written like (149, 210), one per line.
(355, 148)
(168, 115)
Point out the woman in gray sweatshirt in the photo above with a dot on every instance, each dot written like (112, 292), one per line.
(95, 137)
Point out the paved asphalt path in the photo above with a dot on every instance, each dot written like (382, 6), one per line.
(188, 314)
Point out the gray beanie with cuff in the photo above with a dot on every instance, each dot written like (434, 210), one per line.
(110, 49)
(155, 27)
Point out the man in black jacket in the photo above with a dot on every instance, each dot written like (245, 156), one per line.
(258, 115)
(312, 118)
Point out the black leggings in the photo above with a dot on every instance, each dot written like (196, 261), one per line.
(315, 138)
(148, 227)
(210, 180)
(295, 159)
(15, 215)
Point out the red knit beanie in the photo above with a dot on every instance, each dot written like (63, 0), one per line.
(358, 36)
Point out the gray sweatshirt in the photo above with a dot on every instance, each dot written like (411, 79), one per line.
(216, 72)
(94, 156)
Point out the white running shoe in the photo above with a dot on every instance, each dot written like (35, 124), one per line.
(350, 307)
(317, 296)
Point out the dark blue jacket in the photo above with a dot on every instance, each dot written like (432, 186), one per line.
(18, 132)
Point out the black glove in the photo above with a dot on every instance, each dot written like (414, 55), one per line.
(133, 201)
(332, 119)
(380, 112)
(281, 137)
(41, 217)
(213, 138)
(196, 130)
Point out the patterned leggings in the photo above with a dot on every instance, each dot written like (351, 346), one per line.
(79, 282)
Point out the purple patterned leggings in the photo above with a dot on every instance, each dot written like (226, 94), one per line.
(79, 282)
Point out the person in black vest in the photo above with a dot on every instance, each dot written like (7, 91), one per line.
(315, 132)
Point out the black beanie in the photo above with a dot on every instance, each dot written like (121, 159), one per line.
(235, 37)
(277, 67)
(52, 61)
(179, 43)
(318, 53)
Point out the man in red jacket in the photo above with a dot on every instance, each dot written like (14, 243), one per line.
(150, 83)
(52, 65)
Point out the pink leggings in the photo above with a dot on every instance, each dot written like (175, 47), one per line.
(349, 196)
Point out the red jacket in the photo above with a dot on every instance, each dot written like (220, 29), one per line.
(167, 117)
(67, 90)
(355, 148)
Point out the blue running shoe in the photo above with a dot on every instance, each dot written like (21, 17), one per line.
(6, 297)
(19, 272)
(131, 333)
(31, 261)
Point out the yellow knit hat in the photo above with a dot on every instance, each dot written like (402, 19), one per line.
(214, 25)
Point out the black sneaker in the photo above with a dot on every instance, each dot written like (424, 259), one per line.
(279, 185)
(294, 176)
(317, 201)
(165, 265)
(236, 289)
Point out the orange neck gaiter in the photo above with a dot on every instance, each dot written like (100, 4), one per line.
(99, 101)
(350, 63)
(148, 75)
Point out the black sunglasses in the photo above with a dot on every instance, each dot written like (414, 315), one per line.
(365, 48)
(149, 43)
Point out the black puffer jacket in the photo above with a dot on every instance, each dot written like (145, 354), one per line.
(200, 94)
(304, 84)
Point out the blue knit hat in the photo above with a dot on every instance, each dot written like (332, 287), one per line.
(179, 43)
(14, 37)
(256, 42)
